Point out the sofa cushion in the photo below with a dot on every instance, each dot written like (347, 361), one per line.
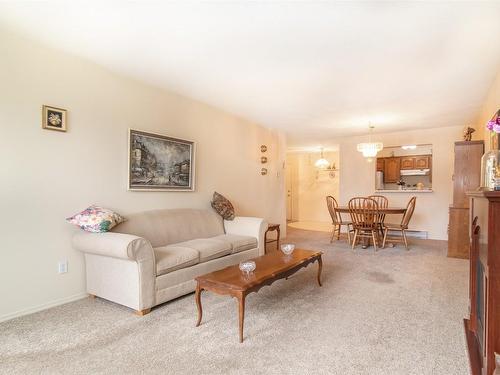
(223, 206)
(171, 258)
(208, 248)
(238, 243)
(169, 226)
(96, 219)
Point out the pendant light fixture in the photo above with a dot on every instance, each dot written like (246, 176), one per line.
(370, 149)
(322, 163)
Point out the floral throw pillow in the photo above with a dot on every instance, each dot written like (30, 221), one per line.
(96, 219)
(223, 206)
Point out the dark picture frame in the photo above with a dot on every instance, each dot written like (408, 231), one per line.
(158, 162)
(54, 118)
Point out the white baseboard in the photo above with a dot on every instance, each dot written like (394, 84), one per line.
(44, 306)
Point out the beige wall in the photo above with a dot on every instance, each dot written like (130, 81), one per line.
(490, 107)
(46, 176)
(357, 176)
(310, 186)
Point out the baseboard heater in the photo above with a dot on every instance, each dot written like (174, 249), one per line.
(422, 234)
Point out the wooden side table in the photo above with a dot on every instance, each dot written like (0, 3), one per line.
(272, 228)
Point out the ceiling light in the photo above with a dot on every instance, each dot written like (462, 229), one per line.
(322, 163)
(370, 149)
(409, 147)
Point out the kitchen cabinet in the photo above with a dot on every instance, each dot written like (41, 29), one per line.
(380, 164)
(407, 162)
(392, 169)
(422, 162)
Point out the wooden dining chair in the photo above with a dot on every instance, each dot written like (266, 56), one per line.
(403, 226)
(364, 213)
(337, 221)
(382, 202)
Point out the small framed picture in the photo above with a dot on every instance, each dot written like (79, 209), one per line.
(53, 118)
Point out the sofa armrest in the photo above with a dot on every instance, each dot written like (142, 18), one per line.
(248, 226)
(115, 245)
(120, 267)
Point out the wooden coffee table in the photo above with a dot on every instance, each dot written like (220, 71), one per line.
(269, 268)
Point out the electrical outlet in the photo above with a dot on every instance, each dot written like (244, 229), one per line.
(62, 266)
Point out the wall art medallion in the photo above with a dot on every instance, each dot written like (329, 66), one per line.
(158, 162)
(54, 118)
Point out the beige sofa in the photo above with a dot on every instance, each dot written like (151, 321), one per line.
(154, 256)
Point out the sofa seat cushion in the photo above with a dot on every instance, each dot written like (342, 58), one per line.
(170, 258)
(238, 243)
(208, 248)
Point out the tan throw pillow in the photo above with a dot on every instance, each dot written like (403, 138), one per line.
(222, 206)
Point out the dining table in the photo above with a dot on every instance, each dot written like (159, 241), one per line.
(384, 210)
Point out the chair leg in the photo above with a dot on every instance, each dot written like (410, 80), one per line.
(338, 232)
(374, 232)
(348, 234)
(385, 237)
(354, 239)
(333, 234)
(404, 238)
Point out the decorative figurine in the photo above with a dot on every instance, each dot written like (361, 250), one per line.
(468, 134)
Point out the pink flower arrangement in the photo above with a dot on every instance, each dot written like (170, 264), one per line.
(494, 124)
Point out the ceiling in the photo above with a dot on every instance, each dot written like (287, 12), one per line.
(317, 70)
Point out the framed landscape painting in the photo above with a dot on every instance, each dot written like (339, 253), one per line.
(158, 162)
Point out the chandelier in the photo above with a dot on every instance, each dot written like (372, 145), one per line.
(370, 149)
(322, 163)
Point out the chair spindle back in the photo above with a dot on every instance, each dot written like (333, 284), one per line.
(364, 212)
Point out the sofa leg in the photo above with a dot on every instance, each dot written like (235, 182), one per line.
(142, 312)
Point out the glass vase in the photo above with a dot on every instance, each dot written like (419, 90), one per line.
(490, 168)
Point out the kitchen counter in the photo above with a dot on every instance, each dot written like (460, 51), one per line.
(405, 191)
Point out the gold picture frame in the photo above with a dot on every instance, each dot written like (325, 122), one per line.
(54, 118)
(157, 162)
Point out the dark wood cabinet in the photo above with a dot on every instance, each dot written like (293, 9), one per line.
(483, 326)
(392, 169)
(458, 231)
(380, 164)
(467, 172)
(422, 162)
(407, 162)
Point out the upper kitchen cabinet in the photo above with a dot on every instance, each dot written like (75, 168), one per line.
(392, 170)
(380, 164)
(422, 162)
(415, 162)
(407, 162)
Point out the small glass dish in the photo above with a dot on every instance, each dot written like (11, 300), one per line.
(287, 248)
(247, 266)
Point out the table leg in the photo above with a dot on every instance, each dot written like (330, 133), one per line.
(198, 303)
(278, 239)
(241, 308)
(320, 267)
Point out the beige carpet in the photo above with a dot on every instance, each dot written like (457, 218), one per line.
(318, 226)
(391, 312)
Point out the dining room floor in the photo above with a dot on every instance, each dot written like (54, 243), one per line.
(387, 312)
